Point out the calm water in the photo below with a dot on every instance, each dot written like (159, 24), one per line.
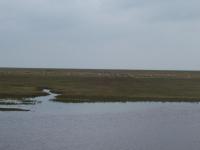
(101, 126)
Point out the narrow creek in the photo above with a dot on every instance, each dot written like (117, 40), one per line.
(27, 104)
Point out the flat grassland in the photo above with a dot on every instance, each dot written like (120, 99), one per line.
(76, 85)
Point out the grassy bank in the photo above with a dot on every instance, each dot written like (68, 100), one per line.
(101, 85)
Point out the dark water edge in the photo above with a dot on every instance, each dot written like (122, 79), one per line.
(13, 109)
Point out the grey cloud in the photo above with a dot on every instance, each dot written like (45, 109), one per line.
(179, 11)
(134, 34)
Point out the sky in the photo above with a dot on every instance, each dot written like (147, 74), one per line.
(102, 34)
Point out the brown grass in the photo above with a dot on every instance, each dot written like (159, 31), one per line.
(101, 85)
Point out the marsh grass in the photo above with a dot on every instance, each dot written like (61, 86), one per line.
(101, 85)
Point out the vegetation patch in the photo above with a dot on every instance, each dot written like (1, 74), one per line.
(101, 85)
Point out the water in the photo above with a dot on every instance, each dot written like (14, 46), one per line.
(101, 126)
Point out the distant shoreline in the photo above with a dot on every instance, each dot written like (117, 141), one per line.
(99, 69)
(97, 85)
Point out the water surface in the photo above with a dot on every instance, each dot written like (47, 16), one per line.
(101, 126)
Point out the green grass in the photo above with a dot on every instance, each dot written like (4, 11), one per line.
(101, 85)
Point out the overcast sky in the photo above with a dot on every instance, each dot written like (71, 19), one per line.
(123, 34)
